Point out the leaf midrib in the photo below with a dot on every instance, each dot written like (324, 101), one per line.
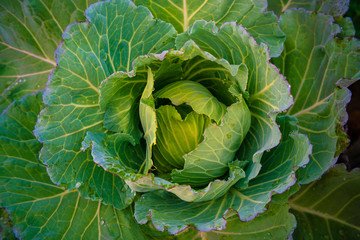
(30, 54)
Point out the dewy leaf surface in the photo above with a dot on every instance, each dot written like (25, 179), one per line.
(38, 208)
(329, 208)
(318, 104)
(115, 34)
(333, 7)
(277, 174)
(268, 92)
(261, 25)
(30, 31)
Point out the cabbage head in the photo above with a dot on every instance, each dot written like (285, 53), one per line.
(165, 115)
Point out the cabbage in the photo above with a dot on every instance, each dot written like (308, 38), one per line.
(165, 115)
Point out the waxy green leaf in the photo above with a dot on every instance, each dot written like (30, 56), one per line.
(115, 150)
(275, 223)
(116, 33)
(38, 208)
(120, 96)
(318, 104)
(263, 26)
(30, 31)
(329, 207)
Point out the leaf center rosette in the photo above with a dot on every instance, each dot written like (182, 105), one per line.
(180, 116)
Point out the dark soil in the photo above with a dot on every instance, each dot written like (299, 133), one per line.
(351, 157)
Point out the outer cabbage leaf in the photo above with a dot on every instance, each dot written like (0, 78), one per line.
(277, 174)
(268, 92)
(275, 223)
(333, 7)
(263, 26)
(318, 104)
(329, 207)
(30, 31)
(38, 208)
(115, 34)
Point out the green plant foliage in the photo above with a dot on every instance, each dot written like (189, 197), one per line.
(26, 58)
(250, 14)
(176, 119)
(64, 123)
(332, 7)
(317, 100)
(329, 208)
(38, 208)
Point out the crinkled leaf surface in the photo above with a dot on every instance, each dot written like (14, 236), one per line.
(333, 7)
(318, 104)
(263, 26)
(329, 208)
(38, 208)
(30, 31)
(268, 92)
(115, 34)
(277, 174)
